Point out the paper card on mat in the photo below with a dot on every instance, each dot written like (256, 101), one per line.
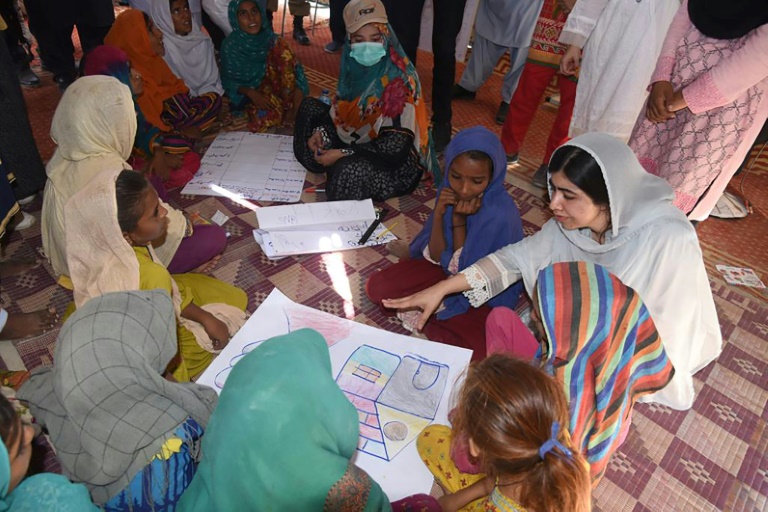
(257, 166)
(279, 244)
(375, 369)
(740, 276)
(314, 215)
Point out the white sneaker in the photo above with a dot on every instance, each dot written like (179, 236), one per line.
(27, 221)
(26, 200)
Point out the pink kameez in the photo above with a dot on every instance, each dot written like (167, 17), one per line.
(725, 84)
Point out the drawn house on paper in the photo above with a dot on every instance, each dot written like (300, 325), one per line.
(395, 398)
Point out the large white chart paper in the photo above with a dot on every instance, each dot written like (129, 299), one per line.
(257, 166)
(398, 384)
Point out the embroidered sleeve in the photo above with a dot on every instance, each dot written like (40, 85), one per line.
(487, 278)
(326, 139)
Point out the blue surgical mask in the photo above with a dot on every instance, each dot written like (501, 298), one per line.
(367, 54)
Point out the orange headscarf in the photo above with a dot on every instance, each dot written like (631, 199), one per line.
(130, 34)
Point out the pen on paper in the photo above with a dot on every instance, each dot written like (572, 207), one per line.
(388, 230)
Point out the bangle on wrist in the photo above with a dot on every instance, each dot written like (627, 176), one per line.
(458, 226)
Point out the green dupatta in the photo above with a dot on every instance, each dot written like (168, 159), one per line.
(282, 436)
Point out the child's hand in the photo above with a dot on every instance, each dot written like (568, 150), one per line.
(446, 198)
(470, 207)
(217, 331)
(260, 100)
(192, 132)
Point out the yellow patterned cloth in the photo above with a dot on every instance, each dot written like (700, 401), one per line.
(434, 447)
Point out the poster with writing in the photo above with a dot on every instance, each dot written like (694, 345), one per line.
(256, 166)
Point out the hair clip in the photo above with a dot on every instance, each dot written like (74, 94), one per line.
(553, 443)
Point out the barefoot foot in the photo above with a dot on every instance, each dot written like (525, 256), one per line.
(399, 248)
(208, 266)
(23, 325)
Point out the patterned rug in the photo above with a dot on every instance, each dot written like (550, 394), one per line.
(712, 457)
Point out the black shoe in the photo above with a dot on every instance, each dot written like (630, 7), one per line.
(333, 47)
(441, 135)
(501, 114)
(298, 30)
(63, 81)
(28, 78)
(513, 158)
(539, 179)
(460, 93)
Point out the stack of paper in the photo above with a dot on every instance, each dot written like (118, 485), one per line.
(317, 227)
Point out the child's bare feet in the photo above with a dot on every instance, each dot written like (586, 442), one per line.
(12, 268)
(208, 266)
(399, 248)
(23, 325)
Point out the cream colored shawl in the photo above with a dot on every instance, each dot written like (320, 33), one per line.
(651, 247)
(94, 127)
(102, 261)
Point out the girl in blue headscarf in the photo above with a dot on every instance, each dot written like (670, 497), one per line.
(259, 71)
(46, 491)
(473, 217)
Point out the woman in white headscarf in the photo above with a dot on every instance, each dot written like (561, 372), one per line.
(609, 211)
(188, 50)
(94, 127)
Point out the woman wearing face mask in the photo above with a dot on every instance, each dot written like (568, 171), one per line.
(374, 140)
(474, 216)
(258, 69)
(609, 211)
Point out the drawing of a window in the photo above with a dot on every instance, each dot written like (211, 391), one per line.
(367, 373)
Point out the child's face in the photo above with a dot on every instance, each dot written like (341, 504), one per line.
(153, 222)
(249, 18)
(19, 453)
(181, 17)
(468, 178)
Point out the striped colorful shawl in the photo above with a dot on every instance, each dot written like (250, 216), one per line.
(603, 345)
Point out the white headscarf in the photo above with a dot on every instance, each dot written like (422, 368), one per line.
(651, 247)
(94, 127)
(190, 57)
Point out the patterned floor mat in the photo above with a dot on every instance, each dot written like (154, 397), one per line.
(709, 458)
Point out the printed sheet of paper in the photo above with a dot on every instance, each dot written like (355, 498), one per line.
(344, 237)
(310, 216)
(256, 166)
(375, 369)
(740, 276)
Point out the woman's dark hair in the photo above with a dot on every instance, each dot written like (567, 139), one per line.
(478, 156)
(147, 21)
(130, 187)
(583, 171)
(9, 421)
